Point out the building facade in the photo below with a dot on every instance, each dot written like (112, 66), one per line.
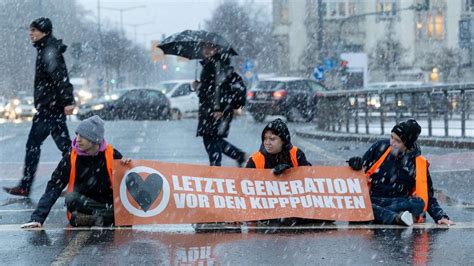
(430, 40)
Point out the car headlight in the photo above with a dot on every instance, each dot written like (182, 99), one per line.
(18, 110)
(97, 107)
(85, 94)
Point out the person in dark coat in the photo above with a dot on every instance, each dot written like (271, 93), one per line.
(276, 152)
(53, 100)
(392, 185)
(90, 199)
(217, 90)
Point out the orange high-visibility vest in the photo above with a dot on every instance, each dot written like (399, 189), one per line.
(109, 159)
(259, 159)
(421, 177)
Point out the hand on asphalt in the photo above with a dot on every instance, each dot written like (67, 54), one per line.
(445, 221)
(125, 161)
(31, 225)
(69, 109)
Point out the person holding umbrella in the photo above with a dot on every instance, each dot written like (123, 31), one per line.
(219, 89)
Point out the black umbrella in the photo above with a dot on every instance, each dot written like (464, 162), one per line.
(190, 43)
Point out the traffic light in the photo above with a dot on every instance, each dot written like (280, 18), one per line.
(164, 67)
(344, 67)
(177, 69)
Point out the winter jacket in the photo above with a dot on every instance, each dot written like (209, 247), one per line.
(52, 89)
(271, 160)
(92, 181)
(216, 93)
(396, 176)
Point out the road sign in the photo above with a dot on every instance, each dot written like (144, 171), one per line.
(318, 73)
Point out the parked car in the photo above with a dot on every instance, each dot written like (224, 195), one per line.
(20, 108)
(292, 97)
(183, 101)
(136, 104)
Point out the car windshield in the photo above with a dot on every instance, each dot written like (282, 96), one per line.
(269, 85)
(167, 87)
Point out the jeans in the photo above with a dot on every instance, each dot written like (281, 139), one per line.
(44, 123)
(387, 209)
(215, 146)
(76, 202)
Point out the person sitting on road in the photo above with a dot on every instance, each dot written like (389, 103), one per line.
(401, 188)
(277, 153)
(87, 171)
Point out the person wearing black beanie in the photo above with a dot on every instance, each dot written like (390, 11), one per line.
(53, 100)
(401, 188)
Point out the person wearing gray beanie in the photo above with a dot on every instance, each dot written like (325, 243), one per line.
(92, 129)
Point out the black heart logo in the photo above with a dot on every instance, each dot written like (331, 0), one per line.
(145, 191)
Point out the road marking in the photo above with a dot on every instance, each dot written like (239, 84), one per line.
(187, 227)
(22, 210)
(317, 150)
(72, 248)
(7, 137)
(451, 171)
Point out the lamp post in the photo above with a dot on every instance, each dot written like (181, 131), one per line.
(121, 10)
(135, 26)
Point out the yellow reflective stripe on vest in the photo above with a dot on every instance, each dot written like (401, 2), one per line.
(109, 160)
(259, 159)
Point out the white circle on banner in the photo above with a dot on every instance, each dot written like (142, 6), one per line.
(138, 212)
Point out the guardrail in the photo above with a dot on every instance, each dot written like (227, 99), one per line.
(448, 105)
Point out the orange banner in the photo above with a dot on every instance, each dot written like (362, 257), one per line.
(151, 192)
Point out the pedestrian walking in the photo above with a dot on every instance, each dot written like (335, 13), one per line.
(219, 91)
(401, 188)
(87, 172)
(53, 100)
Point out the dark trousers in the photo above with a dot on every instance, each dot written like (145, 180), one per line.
(76, 202)
(387, 209)
(44, 123)
(215, 146)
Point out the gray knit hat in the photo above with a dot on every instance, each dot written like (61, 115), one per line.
(92, 129)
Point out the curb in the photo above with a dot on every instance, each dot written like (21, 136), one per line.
(444, 142)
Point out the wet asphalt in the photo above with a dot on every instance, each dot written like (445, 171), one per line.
(452, 171)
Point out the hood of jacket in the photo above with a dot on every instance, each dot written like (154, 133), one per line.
(279, 128)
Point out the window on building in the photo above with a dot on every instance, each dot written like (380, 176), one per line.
(283, 15)
(340, 8)
(430, 25)
(469, 6)
(387, 8)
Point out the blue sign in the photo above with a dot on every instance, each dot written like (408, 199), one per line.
(328, 63)
(248, 65)
(318, 73)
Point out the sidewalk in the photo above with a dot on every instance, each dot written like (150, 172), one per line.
(437, 141)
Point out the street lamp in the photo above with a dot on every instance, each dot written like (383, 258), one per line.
(135, 26)
(121, 10)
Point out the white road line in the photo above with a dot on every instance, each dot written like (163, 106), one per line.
(308, 145)
(7, 137)
(187, 227)
(21, 210)
(73, 247)
(451, 171)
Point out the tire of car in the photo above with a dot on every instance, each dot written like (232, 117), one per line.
(259, 117)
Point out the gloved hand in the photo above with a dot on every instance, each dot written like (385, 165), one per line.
(355, 163)
(278, 170)
(31, 224)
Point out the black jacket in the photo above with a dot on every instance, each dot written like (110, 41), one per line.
(92, 180)
(52, 89)
(279, 128)
(396, 176)
(216, 93)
